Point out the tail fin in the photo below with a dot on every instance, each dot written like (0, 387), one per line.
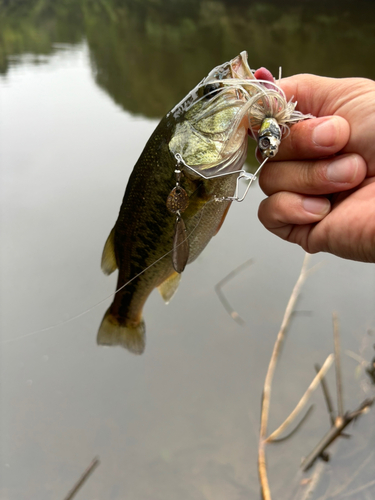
(112, 333)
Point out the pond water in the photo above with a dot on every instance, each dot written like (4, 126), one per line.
(82, 88)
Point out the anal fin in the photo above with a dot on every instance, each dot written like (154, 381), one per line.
(109, 263)
(169, 287)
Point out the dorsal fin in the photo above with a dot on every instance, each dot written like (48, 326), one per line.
(169, 287)
(109, 263)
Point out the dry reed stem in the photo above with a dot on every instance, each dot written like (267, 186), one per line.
(296, 428)
(262, 467)
(336, 339)
(302, 402)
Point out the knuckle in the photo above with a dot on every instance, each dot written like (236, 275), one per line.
(300, 138)
(313, 176)
(266, 177)
(279, 209)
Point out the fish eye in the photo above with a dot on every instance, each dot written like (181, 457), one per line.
(264, 143)
(211, 89)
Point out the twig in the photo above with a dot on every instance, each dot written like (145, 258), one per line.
(218, 289)
(336, 338)
(298, 426)
(90, 469)
(314, 384)
(334, 432)
(262, 468)
(327, 396)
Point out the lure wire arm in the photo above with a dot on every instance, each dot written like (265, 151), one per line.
(242, 174)
(181, 160)
(250, 177)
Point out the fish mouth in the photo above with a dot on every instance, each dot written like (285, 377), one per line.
(213, 119)
(240, 67)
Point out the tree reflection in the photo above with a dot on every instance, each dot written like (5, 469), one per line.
(148, 54)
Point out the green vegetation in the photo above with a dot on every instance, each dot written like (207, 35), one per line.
(147, 54)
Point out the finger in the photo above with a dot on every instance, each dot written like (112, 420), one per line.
(310, 91)
(331, 175)
(321, 96)
(315, 138)
(282, 211)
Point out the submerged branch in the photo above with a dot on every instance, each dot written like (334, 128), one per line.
(90, 469)
(327, 396)
(218, 289)
(334, 432)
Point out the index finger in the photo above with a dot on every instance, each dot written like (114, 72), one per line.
(314, 94)
(314, 138)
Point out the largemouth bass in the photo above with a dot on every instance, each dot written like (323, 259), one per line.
(181, 188)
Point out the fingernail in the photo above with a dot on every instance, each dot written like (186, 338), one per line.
(316, 206)
(325, 134)
(343, 169)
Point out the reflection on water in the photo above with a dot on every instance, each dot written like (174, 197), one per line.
(148, 54)
(182, 420)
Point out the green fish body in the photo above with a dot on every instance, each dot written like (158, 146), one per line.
(208, 130)
(141, 241)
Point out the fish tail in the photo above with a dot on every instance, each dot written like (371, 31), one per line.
(112, 332)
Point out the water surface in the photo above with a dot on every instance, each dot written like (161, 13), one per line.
(181, 421)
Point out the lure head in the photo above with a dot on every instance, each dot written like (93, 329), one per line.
(269, 137)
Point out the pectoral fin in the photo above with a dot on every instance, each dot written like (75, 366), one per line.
(109, 263)
(169, 287)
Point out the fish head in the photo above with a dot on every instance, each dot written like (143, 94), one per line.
(212, 121)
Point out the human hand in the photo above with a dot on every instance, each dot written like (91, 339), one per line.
(321, 185)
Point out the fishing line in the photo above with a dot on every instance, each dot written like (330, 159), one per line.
(65, 322)
(86, 311)
(264, 102)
